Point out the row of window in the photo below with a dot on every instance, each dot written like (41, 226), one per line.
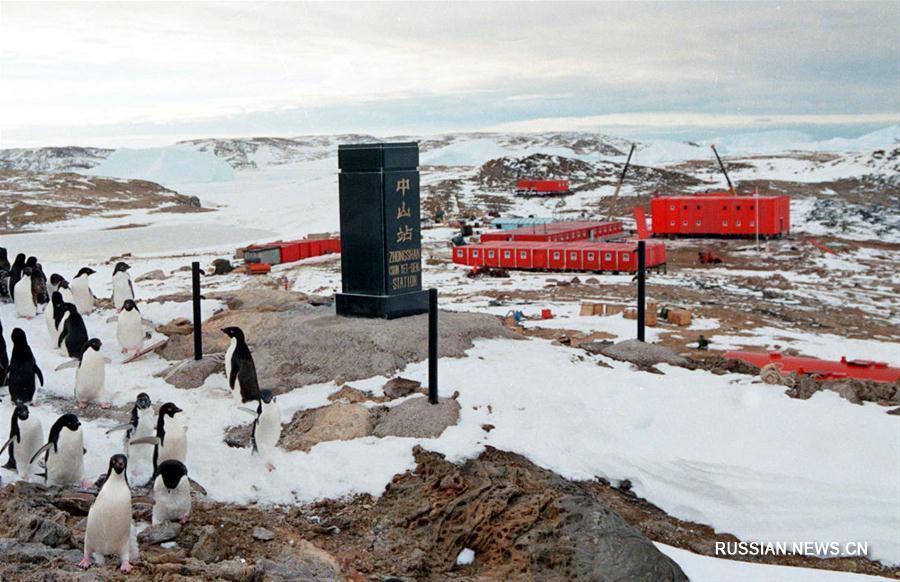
(700, 223)
(556, 255)
(724, 207)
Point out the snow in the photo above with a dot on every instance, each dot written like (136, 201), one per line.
(465, 557)
(706, 569)
(166, 165)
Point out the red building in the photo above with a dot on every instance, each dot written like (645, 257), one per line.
(560, 256)
(542, 187)
(720, 214)
(289, 251)
(559, 232)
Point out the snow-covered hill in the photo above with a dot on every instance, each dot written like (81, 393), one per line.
(60, 159)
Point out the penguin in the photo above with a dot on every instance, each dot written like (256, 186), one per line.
(171, 437)
(74, 333)
(55, 280)
(25, 437)
(23, 370)
(25, 305)
(4, 260)
(4, 273)
(66, 291)
(171, 493)
(266, 427)
(39, 286)
(15, 273)
(141, 426)
(239, 367)
(122, 287)
(64, 452)
(4, 358)
(130, 327)
(110, 530)
(81, 290)
(90, 377)
(56, 300)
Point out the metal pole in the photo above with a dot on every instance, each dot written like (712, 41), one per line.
(433, 346)
(641, 290)
(198, 331)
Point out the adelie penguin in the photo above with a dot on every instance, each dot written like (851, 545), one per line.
(24, 373)
(4, 358)
(171, 493)
(39, 285)
(74, 333)
(64, 452)
(56, 302)
(25, 305)
(15, 273)
(4, 273)
(110, 529)
(90, 377)
(171, 437)
(266, 427)
(81, 291)
(141, 426)
(26, 435)
(130, 327)
(239, 367)
(123, 289)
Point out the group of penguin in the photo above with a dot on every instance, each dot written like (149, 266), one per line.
(152, 440)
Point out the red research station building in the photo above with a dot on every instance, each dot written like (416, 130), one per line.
(559, 232)
(582, 255)
(721, 214)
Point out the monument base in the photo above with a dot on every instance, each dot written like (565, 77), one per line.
(381, 306)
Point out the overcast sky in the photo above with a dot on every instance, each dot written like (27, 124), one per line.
(152, 73)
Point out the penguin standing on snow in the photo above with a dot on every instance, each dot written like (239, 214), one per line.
(110, 529)
(90, 377)
(130, 327)
(39, 286)
(24, 372)
(81, 291)
(64, 452)
(26, 434)
(239, 367)
(266, 427)
(56, 302)
(15, 273)
(55, 280)
(171, 493)
(141, 426)
(25, 306)
(74, 332)
(171, 437)
(4, 273)
(122, 286)
(4, 358)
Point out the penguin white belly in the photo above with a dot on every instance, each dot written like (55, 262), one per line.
(130, 330)
(175, 446)
(268, 430)
(90, 378)
(171, 504)
(140, 457)
(66, 466)
(121, 289)
(25, 306)
(236, 393)
(81, 293)
(229, 353)
(109, 521)
(32, 435)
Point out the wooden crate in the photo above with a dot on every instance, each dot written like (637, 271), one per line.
(679, 317)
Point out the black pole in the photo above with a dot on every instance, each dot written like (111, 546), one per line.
(432, 346)
(641, 291)
(198, 337)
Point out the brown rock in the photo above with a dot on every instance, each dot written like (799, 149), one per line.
(155, 275)
(179, 326)
(334, 422)
(349, 394)
(400, 387)
(207, 548)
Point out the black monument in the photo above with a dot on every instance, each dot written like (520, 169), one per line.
(381, 231)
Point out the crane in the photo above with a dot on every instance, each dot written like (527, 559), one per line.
(721, 165)
(612, 204)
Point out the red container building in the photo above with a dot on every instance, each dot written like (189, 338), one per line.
(720, 214)
(559, 232)
(560, 256)
(542, 187)
(290, 251)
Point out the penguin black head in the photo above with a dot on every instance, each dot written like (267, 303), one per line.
(56, 298)
(26, 272)
(31, 262)
(20, 259)
(55, 278)
(71, 308)
(169, 409)
(172, 472)
(18, 336)
(143, 401)
(117, 463)
(93, 344)
(121, 267)
(21, 412)
(129, 305)
(267, 396)
(69, 421)
(87, 271)
(234, 332)
(63, 284)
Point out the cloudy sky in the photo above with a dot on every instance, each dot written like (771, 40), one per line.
(151, 73)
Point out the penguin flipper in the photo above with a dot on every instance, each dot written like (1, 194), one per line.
(125, 426)
(113, 319)
(41, 451)
(146, 321)
(144, 441)
(6, 444)
(62, 337)
(247, 410)
(39, 374)
(233, 376)
(73, 363)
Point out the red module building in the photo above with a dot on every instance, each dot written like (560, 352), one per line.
(289, 251)
(721, 214)
(561, 256)
(559, 232)
(542, 188)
